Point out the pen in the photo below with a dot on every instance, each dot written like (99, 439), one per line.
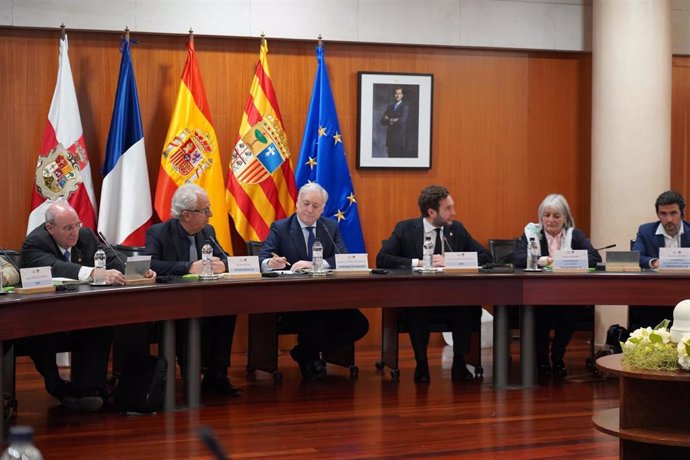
(276, 255)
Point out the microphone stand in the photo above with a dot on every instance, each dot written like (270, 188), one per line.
(109, 246)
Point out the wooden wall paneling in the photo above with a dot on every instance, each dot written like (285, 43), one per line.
(494, 113)
(680, 126)
(559, 134)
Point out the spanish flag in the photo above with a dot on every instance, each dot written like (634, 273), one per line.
(191, 153)
(261, 182)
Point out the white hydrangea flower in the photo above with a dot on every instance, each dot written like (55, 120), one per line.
(684, 352)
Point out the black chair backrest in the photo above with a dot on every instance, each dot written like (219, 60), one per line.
(253, 248)
(13, 255)
(502, 251)
(128, 251)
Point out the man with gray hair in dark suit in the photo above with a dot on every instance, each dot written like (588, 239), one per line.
(175, 249)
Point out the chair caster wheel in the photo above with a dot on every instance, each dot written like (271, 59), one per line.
(395, 374)
(354, 372)
(277, 377)
(379, 365)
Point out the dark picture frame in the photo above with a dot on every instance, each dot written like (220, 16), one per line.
(394, 130)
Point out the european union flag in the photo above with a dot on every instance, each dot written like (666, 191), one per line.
(322, 159)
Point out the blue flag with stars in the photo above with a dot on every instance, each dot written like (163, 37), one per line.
(322, 159)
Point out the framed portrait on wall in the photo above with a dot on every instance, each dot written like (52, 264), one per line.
(394, 119)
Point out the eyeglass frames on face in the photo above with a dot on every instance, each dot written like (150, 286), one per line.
(206, 211)
(70, 228)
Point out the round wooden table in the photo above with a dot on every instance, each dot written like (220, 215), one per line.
(654, 416)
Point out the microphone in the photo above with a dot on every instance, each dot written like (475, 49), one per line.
(607, 247)
(337, 251)
(9, 259)
(207, 436)
(215, 243)
(445, 241)
(109, 246)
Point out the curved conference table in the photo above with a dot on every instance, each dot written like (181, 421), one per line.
(86, 307)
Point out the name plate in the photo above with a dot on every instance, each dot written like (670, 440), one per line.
(137, 267)
(571, 260)
(244, 266)
(460, 260)
(358, 262)
(36, 277)
(674, 258)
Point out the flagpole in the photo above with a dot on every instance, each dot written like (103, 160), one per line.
(191, 37)
(63, 31)
(127, 34)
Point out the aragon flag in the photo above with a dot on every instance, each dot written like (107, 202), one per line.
(191, 153)
(125, 195)
(261, 182)
(63, 170)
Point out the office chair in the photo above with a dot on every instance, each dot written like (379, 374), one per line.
(264, 331)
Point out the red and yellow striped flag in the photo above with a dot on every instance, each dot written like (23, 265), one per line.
(191, 152)
(261, 182)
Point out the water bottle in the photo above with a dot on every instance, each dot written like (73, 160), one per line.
(207, 261)
(99, 268)
(428, 253)
(21, 446)
(532, 254)
(317, 256)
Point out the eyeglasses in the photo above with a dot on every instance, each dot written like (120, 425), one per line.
(206, 211)
(70, 228)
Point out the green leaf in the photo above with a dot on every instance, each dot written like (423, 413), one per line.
(260, 136)
(663, 325)
(655, 338)
(687, 348)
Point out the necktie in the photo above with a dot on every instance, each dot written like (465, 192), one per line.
(311, 239)
(438, 249)
(67, 256)
(193, 256)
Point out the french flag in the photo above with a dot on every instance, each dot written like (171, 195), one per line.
(126, 210)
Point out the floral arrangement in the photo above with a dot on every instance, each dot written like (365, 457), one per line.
(684, 352)
(652, 349)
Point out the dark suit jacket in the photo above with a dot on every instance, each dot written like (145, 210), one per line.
(168, 245)
(396, 136)
(287, 239)
(405, 244)
(579, 241)
(648, 243)
(40, 250)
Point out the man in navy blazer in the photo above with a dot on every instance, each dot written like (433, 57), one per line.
(670, 231)
(175, 249)
(289, 244)
(403, 249)
(395, 119)
(67, 247)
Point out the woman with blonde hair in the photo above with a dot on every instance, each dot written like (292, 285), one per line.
(555, 231)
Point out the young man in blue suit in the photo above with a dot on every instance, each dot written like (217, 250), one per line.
(403, 249)
(670, 231)
(289, 242)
